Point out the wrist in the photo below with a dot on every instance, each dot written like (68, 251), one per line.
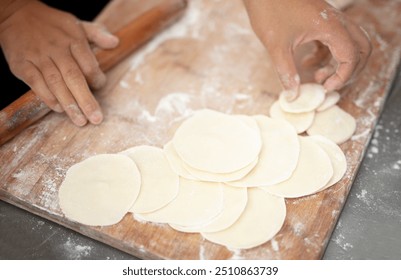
(9, 7)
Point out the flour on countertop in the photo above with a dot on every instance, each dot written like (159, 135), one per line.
(76, 251)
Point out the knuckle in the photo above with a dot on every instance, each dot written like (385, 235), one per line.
(53, 79)
(72, 73)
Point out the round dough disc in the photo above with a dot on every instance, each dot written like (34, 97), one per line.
(235, 200)
(279, 155)
(337, 158)
(310, 97)
(331, 99)
(334, 124)
(300, 121)
(184, 170)
(313, 171)
(175, 162)
(196, 203)
(159, 184)
(261, 220)
(215, 142)
(100, 190)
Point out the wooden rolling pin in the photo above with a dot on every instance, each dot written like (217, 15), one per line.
(27, 109)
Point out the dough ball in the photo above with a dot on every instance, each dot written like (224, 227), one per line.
(100, 190)
(196, 203)
(300, 121)
(337, 158)
(261, 220)
(215, 142)
(313, 172)
(278, 157)
(334, 124)
(331, 99)
(311, 96)
(159, 183)
(234, 202)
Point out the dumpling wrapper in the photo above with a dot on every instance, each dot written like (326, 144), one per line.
(334, 124)
(100, 190)
(235, 200)
(337, 158)
(261, 220)
(331, 99)
(196, 203)
(313, 171)
(159, 183)
(311, 96)
(217, 143)
(300, 121)
(278, 157)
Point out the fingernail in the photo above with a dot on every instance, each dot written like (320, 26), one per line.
(111, 36)
(330, 85)
(290, 95)
(99, 81)
(96, 117)
(80, 120)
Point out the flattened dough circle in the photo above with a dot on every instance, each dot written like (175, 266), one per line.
(300, 121)
(234, 202)
(100, 190)
(311, 96)
(337, 158)
(334, 124)
(313, 171)
(159, 183)
(196, 203)
(278, 157)
(215, 142)
(331, 99)
(261, 220)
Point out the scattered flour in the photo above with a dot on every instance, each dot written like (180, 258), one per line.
(76, 251)
(275, 245)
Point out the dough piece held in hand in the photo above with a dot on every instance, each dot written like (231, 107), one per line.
(215, 142)
(300, 121)
(159, 183)
(196, 203)
(334, 124)
(261, 220)
(100, 190)
(311, 96)
(312, 173)
(331, 99)
(279, 155)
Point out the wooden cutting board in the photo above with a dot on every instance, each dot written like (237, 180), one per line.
(209, 59)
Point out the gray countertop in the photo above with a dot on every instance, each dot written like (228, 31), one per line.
(369, 226)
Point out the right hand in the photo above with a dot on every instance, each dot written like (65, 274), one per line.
(50, 51)
(283, 25)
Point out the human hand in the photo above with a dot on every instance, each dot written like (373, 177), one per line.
(284, 25)
(50, 51)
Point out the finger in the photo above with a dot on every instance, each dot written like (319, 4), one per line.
(77, 85)
(287, 72)
(361, 37)
(323, 73)
(88, 64)
(30, 75)
(345, 52)
(99, 35)
(57, 86)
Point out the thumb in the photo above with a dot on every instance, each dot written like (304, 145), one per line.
(287, 71)
(99, 35)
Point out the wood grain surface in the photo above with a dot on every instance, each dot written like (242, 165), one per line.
(209, 59)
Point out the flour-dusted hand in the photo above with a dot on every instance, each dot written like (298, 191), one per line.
(284, 25)
(50, 51)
